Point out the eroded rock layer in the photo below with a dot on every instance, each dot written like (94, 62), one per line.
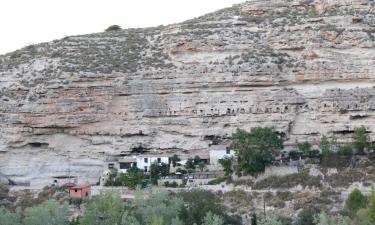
(305, 67)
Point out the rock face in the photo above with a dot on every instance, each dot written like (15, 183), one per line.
(305, 67)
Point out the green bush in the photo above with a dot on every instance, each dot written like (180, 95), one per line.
(113, 28)
(255, 149)
(217, 181)
(356, 200)
(288, 181)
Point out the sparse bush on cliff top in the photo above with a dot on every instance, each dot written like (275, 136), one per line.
(113, 28)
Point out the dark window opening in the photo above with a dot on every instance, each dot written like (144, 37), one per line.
(159, 160)
(228, 151)
(146, 160)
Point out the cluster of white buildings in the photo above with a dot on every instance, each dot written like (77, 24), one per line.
(144, 161)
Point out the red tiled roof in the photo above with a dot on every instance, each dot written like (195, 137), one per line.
(80, 186)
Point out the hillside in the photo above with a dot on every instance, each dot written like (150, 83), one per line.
(304, 67)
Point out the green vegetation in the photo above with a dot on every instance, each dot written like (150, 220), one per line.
(255, 149)
(217, 181)
(355, 202)
(158, 170)
(132, 179)
(288, 181)
(227, 164)
(361, 139)
(50, 212)
(113, 28)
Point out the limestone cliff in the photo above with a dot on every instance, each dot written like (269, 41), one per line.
(305, 67)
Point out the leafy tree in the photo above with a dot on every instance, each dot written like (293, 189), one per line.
(198, 203)
(9, 218)
(113, 28)
(157, 170)
(50, 212)
(128, 219)
(371, 208)
(325, 145)
(105, 208)
(227, 163)
(157, 203)
(345, 150)
(190, 165)
(201, 166)
(197, 160)
(175, 159)
(361, 139)
(324, 219)
(306, 216)
(212, 219)
(270, 221)
(255, 150)
(356, 200)
(304, 147)
(363, 218)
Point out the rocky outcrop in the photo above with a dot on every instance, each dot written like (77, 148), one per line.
(305, 67)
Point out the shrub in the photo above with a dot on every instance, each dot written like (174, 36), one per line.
(171, 185)
(113, 28)
(289, 181)
(356, 200)
(345, 150)
(360, 139)
(217, 181)
(306, 216)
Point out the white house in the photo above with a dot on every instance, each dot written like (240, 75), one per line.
(219, 152)
(144, 162)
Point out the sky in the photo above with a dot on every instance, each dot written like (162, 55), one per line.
(25, 22)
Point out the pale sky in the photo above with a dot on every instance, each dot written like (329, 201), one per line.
(24, 22)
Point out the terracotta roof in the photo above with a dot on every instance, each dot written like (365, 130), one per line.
(80, 186)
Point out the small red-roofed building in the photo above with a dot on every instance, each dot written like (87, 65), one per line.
(82, 191)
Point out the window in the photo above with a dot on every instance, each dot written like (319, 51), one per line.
(146, 160)
(125, 166)
(145, 169)
(228, 151)
(159, 160)
(111, 166)
(87, 194)
(75, 190)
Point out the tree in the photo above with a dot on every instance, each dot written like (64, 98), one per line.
(212, 219)
(113, 28)
(157, 170)
(157, 206)
(361, 139)
(198, 203)
(254, 150)
(304, 147)
(356, 200)
(190, 165)
(325, 145)
(175, 159)
(324, 219)
(105, 208)
(201, 165)
(371, 208)
(227, 163)
(9, 218)
(270, 221)
(306, 216)
(50, 212)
